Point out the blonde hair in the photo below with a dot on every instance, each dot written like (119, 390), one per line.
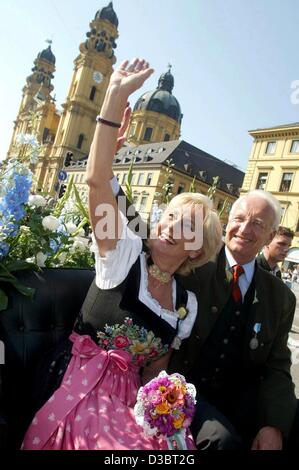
(212, 230)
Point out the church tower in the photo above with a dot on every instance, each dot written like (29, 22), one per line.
(157, 114)
(37, 113)
(92, 71)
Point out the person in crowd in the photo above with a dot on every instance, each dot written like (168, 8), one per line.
(294, 274)
(135, 314)
(276, 251)
(237, 354)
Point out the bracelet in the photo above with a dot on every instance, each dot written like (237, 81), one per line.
(108, 123)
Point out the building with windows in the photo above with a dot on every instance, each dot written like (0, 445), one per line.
(169, 167)
(274, 166)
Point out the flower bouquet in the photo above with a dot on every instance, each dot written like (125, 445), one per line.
(165, 407)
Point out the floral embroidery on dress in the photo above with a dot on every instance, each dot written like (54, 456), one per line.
(141, 343)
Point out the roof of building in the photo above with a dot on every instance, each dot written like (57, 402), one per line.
(107, 13)
(47, 55)
(186, 158)
(281, 126)
(161, 100)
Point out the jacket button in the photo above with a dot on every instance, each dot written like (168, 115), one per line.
(197, 337)
(21, 328)
(186, 361)
(214, 309)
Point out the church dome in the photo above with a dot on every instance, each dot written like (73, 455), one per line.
(48, 55)
(107, 13)
(161, 100)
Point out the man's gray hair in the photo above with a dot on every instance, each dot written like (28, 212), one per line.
(271, 200)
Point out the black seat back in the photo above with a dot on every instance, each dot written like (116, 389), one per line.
(30, 328)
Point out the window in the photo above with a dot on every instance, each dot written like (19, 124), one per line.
(283, 210)
(166, 137)
(124, 179)
(117, 176)
(80, 141)
(140, 178)
(46, 135)
(297, 228)
(261, 181)
(181, 188)
(135, 199)
(132, 130)
(286, 182)
(143, 203)
(295, 146)
(92, 93)
(149, 179)
(148, 134)
(270, 149)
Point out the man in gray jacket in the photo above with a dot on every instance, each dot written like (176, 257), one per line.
(237, 355)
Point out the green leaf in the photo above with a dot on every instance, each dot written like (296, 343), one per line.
(81, 225)
(129, 190)
(6, 276)
(192, 186)
(3, 300)
(61, 202)
(24, 290)
(82, 209)
(19, 265)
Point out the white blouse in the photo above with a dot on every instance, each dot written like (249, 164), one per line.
(113, 269)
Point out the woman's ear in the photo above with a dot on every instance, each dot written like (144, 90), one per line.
(194, 254)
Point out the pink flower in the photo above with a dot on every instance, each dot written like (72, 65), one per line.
(121, 341)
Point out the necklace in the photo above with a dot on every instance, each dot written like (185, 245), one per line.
(156, 272)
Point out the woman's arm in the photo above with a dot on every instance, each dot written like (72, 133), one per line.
(124, 81)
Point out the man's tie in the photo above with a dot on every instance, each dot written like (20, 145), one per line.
(236, 291)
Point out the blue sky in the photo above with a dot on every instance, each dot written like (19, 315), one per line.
(233, 61)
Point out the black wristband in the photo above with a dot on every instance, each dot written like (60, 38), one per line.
(107, 123)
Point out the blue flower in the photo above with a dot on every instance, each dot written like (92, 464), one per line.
(4, 249)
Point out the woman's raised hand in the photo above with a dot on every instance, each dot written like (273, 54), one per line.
(129, 77)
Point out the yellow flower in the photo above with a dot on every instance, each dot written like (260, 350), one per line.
(182, 312)
(178, 422)
(163, 408)
(137, 347)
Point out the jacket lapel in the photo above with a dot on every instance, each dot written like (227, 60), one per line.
(259, 313)
(215, 298)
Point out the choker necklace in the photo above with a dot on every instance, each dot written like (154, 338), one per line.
(156, 272)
